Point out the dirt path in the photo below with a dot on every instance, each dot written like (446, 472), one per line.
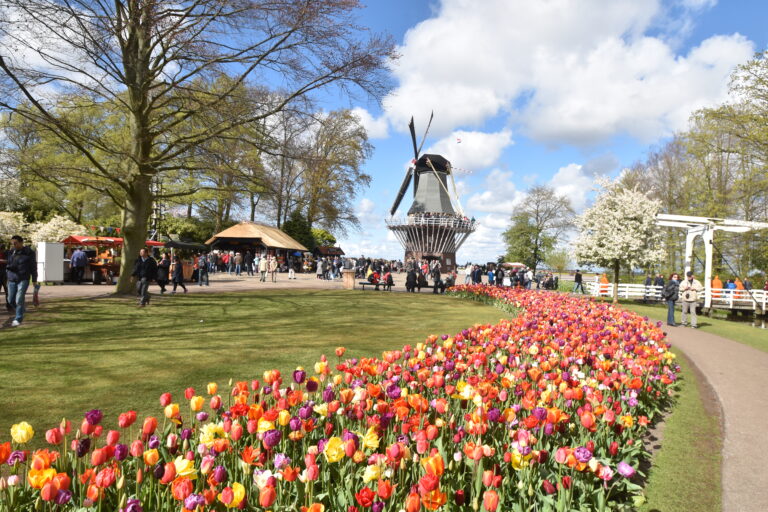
(737, 373)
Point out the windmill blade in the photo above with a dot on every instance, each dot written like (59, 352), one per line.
(403, 189)
(418, 152)
(455, 192)
(413, 139)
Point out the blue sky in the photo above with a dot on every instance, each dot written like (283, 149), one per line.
(540, 92)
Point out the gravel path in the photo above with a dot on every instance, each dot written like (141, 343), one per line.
(737, 374)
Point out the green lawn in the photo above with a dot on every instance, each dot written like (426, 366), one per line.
(743, 332)
(686, 472)
(76, 355)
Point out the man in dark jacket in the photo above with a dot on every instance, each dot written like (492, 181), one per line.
(20, 267)
(77, 262)
(145, 271)
(436, 278)
(578, 282)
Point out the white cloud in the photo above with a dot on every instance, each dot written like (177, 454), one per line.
(472, 150)
(568, 71)
(375, 127)
(499, 195)
(572, 182)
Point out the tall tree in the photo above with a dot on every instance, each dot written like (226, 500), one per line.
(619, 231)
(537, 224)
(149, 61)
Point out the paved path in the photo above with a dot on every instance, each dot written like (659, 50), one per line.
(737, 374)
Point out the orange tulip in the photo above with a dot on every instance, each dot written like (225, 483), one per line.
(181, 488)
(49, 491)
(150, 424)
(412, 503)
(491, 500)
(267, 496)
(384, 489)
(433, 500)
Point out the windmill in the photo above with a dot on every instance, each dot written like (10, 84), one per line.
(435, 225)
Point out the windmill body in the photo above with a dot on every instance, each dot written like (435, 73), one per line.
(435, 226)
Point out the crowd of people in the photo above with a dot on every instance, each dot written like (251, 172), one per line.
(18, 269)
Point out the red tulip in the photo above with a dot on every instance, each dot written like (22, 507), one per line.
(491, 500)
(267, 496)
(54, 436)
(165, 399)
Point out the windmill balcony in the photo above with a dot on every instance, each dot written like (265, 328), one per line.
(434, 219)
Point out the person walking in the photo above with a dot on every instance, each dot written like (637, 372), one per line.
(163, 271)
(178, 275)
(77, 263)
(670, 294)
(436, 278)
(238, 264)
(292, 270)
(647, 283)
(689, 290)
(248, 262)
(263, 268)
(273, 268)
(21, 266)
(468, 273)
(3, 277)
(145, 271)
(202, 270)
(578, 282)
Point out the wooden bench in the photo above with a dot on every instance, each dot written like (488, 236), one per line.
(383, 286)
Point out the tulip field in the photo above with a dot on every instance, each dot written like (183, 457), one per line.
(543, 411)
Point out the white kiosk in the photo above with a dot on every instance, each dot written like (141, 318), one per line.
(50, 262)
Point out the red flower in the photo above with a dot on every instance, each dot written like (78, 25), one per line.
(365, 497)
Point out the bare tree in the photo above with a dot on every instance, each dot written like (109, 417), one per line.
(150, 62)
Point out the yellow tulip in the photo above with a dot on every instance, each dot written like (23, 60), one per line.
(265, 425)
(334, 449)
(371, 473)
(22, 432)
(185, 467)
(212, 388)
(171, 410)
(283, 418)
(196, 403)
(371, 439)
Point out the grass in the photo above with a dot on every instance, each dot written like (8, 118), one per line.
(741, 332)
(686, 473)
(76, 355)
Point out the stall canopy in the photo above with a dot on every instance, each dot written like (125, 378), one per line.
(249, 233)
(102, 241)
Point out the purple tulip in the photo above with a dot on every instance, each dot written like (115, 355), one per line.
(63, 497)
(549, 429)
(393, 391)
(154, 442)
(121, 452)
(625, 470)
(328, 395)
(281, 460)
(312, 385)
(220, 474)
(539, 413)
(272, 438)
(186, 434)
(202, 416)
(305, 412)
(582, 454)
(377, 506)
(299, 376)
(294, 424)
(94, 416)
(16, 457)
(193, 501)
(494, 415)
(132, 505)
(159, 470)
(83, 445)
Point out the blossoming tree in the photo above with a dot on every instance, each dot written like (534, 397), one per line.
(619, 231)
(55, 229)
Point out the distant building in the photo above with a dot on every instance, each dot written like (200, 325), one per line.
(259, 239)
(327, 251)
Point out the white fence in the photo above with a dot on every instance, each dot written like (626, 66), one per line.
(721, 298)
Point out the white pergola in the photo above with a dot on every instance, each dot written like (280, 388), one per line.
(705, 227)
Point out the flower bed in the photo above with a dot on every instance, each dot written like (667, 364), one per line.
(542, 411)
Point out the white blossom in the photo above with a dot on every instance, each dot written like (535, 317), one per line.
(12, 223)
(55, 230)
(620, 228)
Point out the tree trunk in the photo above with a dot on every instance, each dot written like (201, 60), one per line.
(189, 211)
(616, 268)
(138, 205)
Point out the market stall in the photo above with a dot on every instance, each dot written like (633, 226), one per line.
(104, 258)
